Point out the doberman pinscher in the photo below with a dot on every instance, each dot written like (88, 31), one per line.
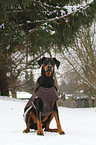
(42, 106)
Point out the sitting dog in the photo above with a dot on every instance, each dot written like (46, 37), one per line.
(42, 106)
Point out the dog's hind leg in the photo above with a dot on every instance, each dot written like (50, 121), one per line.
(32, 115)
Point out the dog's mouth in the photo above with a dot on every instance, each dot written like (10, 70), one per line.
(48, 70)
(48, 73)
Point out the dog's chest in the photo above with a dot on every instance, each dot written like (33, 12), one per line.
(48, 96)
(46, 82)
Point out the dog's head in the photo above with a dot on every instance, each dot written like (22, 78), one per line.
(48, 65)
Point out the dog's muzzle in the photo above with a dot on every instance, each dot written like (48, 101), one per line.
(49, 70)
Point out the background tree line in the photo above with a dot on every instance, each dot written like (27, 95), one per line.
(29, 29)
(82, 59)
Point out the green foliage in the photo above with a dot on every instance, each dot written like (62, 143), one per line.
(67, 27)
(25, 3)
(32, 23)
(38, 25)
(31, 19)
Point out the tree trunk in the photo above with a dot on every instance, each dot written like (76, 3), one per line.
(90, 102)
(14, 94)
(3, 84)
(14, 90)
(3, 78)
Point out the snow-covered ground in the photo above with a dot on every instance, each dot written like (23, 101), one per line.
(78, 124)
(22, 95)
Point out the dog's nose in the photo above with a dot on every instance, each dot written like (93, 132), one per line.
(49, 66)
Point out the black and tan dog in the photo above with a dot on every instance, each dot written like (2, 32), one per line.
(42, 106)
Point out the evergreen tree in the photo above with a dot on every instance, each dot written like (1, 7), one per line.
(39, 25)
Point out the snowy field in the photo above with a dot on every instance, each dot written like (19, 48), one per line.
(78, 124)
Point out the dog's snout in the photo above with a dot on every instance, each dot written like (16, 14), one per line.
(49, 66)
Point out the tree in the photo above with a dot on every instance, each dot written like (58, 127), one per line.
(82, 58)
(68, 25)
(63, 87)
(3, 79)
(27, 84)
(33, 18)
(20, 65)
(39, 25)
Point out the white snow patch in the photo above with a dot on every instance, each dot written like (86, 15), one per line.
(23, 95)
(2, 26)
(78, 124)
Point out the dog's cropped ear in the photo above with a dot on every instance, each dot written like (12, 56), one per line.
(40, 61)
(57, 62)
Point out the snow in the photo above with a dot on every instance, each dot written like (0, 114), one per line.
(22, 95)
(2, 26)
(75, 8)
(78, 124)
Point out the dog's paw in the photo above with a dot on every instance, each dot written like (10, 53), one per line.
(26, 130)
(61, 132)
(51, 130)
(40, 132)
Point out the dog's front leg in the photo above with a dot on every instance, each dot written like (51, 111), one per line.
(39, 125)
(38, 116)
(60, 131)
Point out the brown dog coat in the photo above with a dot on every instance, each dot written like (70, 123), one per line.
(48, 97)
